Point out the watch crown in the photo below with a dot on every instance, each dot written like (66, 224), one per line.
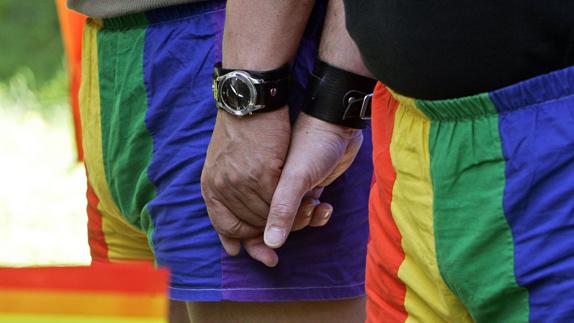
(214, 89)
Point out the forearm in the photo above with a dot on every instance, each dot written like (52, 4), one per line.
(320, 149)
(263, 34)
(337, 47)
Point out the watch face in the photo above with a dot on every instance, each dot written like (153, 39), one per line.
(236, 93)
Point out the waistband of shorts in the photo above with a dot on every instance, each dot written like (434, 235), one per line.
(161, 15)
(543, 88)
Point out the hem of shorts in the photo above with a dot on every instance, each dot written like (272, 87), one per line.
(320, 293)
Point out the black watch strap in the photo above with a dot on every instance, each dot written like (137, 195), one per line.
(338, 96)
(272, 94)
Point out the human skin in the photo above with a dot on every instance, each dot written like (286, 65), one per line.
(272, 137)
(319, 151)
(347, 311)
(246, 155)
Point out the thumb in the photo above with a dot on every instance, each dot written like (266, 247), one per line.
(316, 148)
(283, 209)
(348, 157)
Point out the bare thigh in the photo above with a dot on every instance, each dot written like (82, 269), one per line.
(178, 312)
(350, 311)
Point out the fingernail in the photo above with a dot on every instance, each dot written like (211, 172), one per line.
(274, 236)
(326, 214)
(309, 212)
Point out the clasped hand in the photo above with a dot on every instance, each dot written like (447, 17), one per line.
(263, 179)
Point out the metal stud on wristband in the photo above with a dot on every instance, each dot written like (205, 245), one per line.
(338, 96)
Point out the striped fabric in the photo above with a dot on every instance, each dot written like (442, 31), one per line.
(103, 294)
(126, 242)
(147, 117)
(472, 213)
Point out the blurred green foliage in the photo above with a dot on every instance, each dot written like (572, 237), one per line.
(20, 94)
(30, 40)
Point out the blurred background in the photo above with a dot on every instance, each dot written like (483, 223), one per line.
(42, 184)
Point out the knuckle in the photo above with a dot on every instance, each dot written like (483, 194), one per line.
(293, 175)
(213, 217)
(205, 172)
(275, 165)
(259, 222)
(306, 208)
(219, 182)
(225, 231)
(231, 230)
(205, 190)
(234, 178)
(259, 177)
(302, 178)
(217, 226)
(205, 180)
(281, 211)
(253, 179)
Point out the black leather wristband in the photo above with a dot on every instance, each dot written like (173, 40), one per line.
(338, 96)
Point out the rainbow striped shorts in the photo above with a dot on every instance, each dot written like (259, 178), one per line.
(147, 116)
(472, 212)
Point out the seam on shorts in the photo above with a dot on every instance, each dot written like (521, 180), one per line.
(531, 106)
(268, 288)
(184, 18)
(181, 19)
(535, 104)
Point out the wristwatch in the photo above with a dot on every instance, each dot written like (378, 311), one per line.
(242, 92)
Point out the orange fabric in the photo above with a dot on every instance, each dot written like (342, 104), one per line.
(72, 26)
(82, 303)
(98, 293)
(385, 292)
(96, 237)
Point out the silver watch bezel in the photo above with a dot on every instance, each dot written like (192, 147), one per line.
(253, 93)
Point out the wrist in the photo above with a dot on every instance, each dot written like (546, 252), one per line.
(280, 115)
(320, 125)
(244, 92)
(251, 63)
